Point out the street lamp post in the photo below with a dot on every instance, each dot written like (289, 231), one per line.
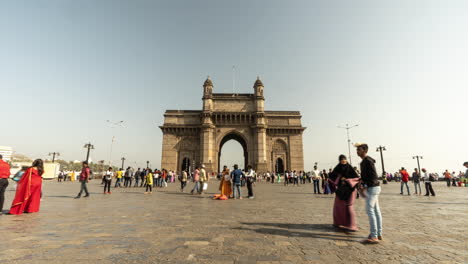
(347, 127)
(113, 124)
(381, 149)
(147, 164)
(89, 146)
(123, 162)
(418, 158)
(53, 154)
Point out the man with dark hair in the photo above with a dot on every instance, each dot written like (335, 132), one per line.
(4, 175)
(428, 183)
(84, 179)
(251, 175)
(370, 180)
(137, 177)
(316, 180)
(236, 176)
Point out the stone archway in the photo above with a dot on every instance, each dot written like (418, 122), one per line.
(265, 136)
(233, 135)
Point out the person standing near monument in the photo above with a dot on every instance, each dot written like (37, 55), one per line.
(196, 181)
(417, 181)
(4, 175)
(236, 176)
(84, 179)
(404, 180)
(316, 180)
(370, 180)
(447, 177)
(428, 183)
(183, 180)
(28, 192)
(149, 182)
(118, 176)
(108, 180)
(203, 178)
(137, 177)
(250, 177)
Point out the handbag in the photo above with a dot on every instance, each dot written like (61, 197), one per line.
(205, 186)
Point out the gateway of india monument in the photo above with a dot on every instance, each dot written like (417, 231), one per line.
(272, 140)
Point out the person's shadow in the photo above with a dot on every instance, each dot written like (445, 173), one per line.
(320, 231)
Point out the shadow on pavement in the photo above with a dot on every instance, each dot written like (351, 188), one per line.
(294, 233)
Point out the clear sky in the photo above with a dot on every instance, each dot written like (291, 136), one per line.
(396, 68)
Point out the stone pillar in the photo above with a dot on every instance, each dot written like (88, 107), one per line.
(207, 148)
(260, 150)
(169, 154)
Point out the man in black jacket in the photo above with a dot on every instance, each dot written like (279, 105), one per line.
(370, 180)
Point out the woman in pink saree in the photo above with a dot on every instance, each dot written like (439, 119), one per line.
(344, 179)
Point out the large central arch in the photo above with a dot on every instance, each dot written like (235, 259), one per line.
(239, 138)
(271, 140)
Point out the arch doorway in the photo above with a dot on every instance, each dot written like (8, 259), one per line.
(186, 165)
(241, 140)
(279, 166)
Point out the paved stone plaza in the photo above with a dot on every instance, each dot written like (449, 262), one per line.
(282, 225)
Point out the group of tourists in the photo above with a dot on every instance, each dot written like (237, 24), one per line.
(231, 183)
(345, 181)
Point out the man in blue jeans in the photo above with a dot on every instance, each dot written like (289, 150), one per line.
(236, 176)
(370, 179)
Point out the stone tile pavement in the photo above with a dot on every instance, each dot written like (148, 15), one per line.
(282, 225)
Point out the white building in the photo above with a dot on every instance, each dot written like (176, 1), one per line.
(6, 152)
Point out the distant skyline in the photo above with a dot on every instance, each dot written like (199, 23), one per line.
(396, 68)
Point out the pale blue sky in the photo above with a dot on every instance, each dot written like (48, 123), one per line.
(398, 68)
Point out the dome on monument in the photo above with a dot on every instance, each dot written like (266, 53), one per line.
(208, 82)
(258, 82)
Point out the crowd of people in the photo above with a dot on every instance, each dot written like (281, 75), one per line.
(345, 181)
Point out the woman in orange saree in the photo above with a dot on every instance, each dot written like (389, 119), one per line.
(28, 191)
(225, 185)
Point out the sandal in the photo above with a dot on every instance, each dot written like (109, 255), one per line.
(371, 240)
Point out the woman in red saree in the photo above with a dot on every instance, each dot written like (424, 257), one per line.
(344, 178)
(28, 191)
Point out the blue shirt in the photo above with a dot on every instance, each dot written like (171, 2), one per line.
(236, 176)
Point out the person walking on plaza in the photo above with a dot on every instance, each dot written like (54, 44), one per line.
(250, 178)
(286, 178)
(447, 177)
(345, 179)
(108, 180)
(316, 180)
(4, 175)
(149, 182)
(142, 177)
(28, 192)
(84, 179)
(428, 179)
(137, 177)
(236, 176)
(183, 180)
(404, 180)
(203, 179)
(417, 181)
(196, 181)
(370, 180)
(118, 181)
(127, 176)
